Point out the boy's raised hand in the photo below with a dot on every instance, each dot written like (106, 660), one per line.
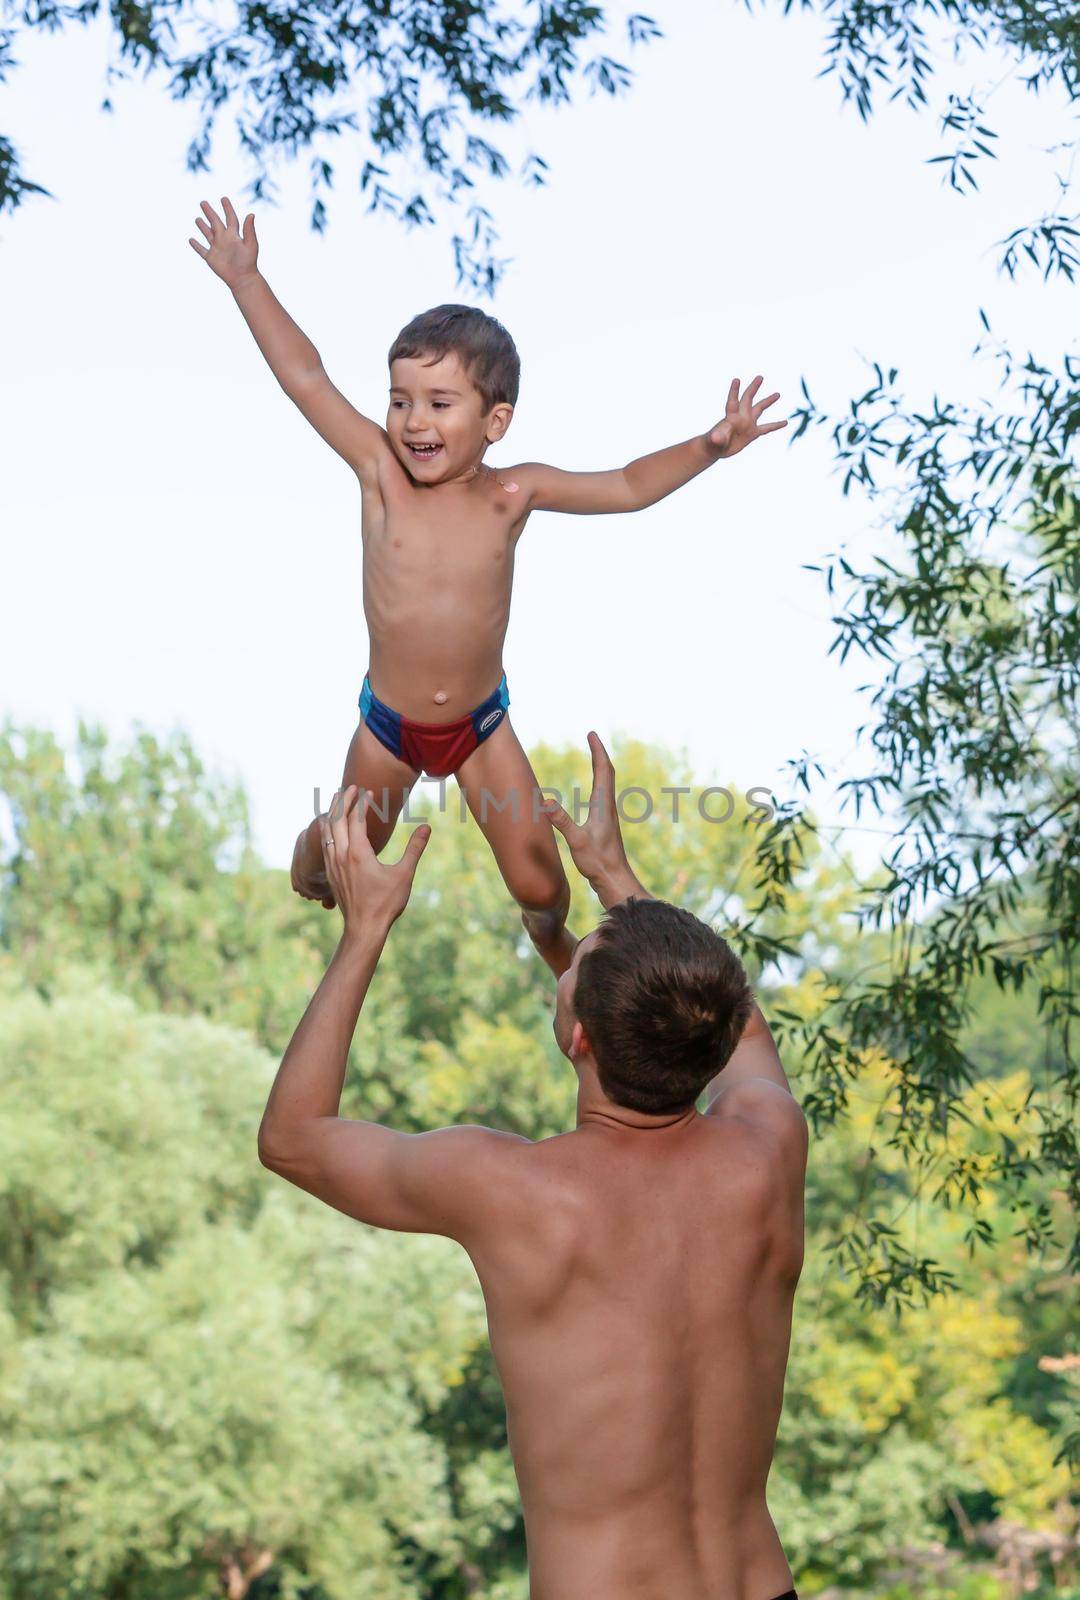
(741, 425)
(230, 252)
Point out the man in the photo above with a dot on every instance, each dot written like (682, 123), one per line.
(639, 1270)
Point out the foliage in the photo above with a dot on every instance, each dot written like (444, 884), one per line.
(967, 614)
(431, 79)
(178, 1328)
(890, 49)
(211, 1385)
(896, 1422)
(117, 866)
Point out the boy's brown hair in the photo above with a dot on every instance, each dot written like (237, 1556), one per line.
(481, 344)
(664, 1001)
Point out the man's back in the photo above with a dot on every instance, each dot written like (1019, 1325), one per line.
(639, 1285)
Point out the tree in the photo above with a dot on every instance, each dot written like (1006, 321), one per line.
(204, 1375)
(211, 1385)
(133, 862)
(902, 1428)
(419, 84)
(969, 613)
(873, 49)
(118, 866)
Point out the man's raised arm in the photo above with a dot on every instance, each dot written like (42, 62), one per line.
(436, 1182)
(754, 1057)
(753, 1088)
(597, 850)
(233, 254)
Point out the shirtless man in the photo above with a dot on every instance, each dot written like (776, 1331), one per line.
(440, 528)
(639, 1270)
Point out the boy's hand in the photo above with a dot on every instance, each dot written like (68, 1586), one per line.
(371, 894)
(740, 426)
(232, 254)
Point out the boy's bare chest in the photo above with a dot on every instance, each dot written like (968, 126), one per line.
(438, 542)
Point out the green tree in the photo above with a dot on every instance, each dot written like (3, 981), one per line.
(893, 49)
(203, 1374)
(211, 1384)
(135, 863)
(905, 1427)
(416, 87)
(968, 617)
(117, 864)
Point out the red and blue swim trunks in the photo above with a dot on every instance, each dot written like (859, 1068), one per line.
(435, 748)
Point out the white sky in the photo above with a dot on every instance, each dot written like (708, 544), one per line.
(178, 548)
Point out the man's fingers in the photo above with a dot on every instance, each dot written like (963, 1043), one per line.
(231, 218)
(763, 405)
(211, 215)
(249, 229)
(338, 818)
(204, 228)
(733, 393)
(603, 774)
(415, 847)
(199, 249)
(334, 830)
(771, 427)
(359, 841)
(752, 388)
(559, 818)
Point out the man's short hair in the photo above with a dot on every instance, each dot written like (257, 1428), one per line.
(481, 344)
(664, 1001)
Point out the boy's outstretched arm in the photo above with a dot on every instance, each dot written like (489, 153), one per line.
(648, 479)
(232, 253)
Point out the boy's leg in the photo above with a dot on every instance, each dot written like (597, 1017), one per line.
(370, 765)
(501, 791)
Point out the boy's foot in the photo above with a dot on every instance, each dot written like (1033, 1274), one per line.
(310, 883)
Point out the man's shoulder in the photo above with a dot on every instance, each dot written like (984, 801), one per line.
(763, 1107)
(506, 1158)
(533, 1191)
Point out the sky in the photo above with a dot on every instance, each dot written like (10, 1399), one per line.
(180, 550)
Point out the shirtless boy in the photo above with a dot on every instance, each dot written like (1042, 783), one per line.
(439, 532)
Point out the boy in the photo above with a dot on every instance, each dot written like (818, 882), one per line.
(439, 530)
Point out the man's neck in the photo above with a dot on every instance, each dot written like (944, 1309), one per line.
(595, 1110)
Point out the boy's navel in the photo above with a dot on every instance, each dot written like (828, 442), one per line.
(439, 697)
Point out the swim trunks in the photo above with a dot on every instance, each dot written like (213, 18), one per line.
(789, 1594)
(437, 748)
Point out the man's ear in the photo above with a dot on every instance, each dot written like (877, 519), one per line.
(498, 421)
(579, 1043)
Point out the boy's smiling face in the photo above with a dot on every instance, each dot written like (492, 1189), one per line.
(438, 423)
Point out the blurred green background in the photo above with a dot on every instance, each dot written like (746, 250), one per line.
(211, 1385)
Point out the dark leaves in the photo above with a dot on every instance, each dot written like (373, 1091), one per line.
(422, 78)
(970, 761)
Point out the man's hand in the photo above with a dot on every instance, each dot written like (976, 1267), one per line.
(232, 254)
(371, 894)
(740, 426)
(597, 848)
